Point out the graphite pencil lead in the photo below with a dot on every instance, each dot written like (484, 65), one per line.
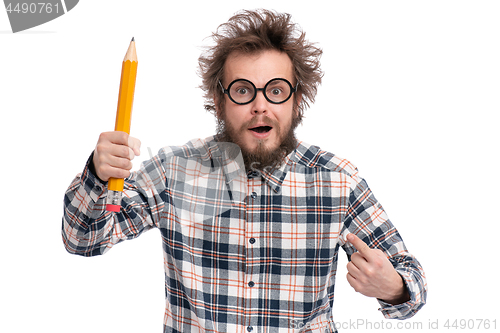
(132, 39)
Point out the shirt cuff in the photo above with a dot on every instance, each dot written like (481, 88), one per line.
(404, 310)
(94, 186)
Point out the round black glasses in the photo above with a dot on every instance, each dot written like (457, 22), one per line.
(243, 91)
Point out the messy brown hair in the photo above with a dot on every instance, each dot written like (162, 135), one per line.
(252, 32)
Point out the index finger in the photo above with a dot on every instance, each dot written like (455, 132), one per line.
(115, 137)
(361, 246)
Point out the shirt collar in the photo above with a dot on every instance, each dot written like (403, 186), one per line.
(275, 178)
(234, 168)
(227, 156)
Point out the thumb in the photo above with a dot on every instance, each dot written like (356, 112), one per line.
(135, 145)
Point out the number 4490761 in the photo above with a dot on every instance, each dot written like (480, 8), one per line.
(40, 7)
(462, 324)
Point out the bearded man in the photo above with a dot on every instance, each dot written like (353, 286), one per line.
(252, 220)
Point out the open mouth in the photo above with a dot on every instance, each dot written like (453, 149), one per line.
(261, 129)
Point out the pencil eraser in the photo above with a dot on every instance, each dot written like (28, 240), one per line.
(113, 208)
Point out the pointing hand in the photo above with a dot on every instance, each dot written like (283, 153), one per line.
(372, 274)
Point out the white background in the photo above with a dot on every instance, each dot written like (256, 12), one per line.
(410, 95)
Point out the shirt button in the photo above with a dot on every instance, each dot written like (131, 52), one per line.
(249, 328)
(252, 240)
(253, 195)
(251, 284)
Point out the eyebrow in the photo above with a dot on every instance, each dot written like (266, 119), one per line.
(276, 77)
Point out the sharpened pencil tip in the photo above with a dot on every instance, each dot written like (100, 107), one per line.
(132, 39)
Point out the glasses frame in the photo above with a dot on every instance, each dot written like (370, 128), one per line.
(256, 90)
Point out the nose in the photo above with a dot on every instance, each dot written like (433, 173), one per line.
(260, 103)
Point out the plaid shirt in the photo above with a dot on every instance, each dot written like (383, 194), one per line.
(243, 252)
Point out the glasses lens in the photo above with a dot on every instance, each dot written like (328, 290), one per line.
(278, 90)
(241, 91)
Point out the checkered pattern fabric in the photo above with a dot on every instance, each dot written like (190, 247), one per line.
(243, 252)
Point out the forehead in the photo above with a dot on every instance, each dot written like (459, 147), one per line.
(258, 67)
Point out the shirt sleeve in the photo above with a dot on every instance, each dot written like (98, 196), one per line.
(89, 230)
(367, 219)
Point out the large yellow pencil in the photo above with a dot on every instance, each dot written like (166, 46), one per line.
(123, 118)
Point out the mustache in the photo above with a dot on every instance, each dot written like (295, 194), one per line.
(262, 120)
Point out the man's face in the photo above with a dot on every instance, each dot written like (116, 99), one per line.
(260, 127)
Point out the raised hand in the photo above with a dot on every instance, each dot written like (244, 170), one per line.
(114, 153)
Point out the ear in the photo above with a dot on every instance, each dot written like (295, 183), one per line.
(298, 100)
(216, 103)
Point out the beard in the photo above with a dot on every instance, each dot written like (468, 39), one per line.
(261, 157)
